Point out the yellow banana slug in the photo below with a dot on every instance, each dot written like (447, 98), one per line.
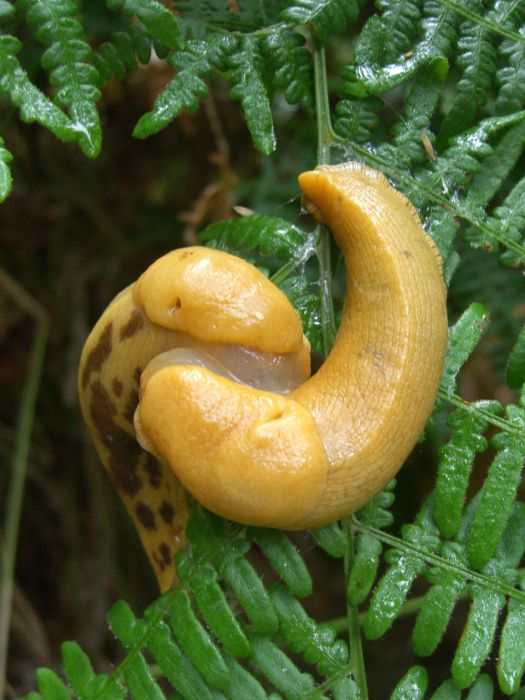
(196, 378)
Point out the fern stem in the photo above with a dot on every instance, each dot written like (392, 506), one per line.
(19, 461)
(495, 27)
(447, 564)
(502, 423)
(357, 661)
(324, 141)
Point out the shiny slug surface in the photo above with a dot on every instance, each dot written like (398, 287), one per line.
(321, 447)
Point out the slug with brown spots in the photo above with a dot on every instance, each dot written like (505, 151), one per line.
(227, 405)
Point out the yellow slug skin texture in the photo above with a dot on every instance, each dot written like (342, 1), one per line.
(290, 461)
(248, 455)
(372, 397)
(218, 298)
(126, 339)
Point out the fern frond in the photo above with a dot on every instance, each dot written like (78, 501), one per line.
(324, 16)
(158, 20)
(509, 218)
(34, 105)
(5, 171)
(182, 92)
(463, 337)
(511, 657)
(515, 373)
(401, 21)
(246, 70)
(292, 66)
(487, 602)
(357, 118)
(405, 567)
(511, 77)
(67, 59)
(420, 104)
(499, 489)
(456, 462)
(439, 27)
(119, 56)
(477, 62)
(497, 166)
(413, 685)
(270, 235)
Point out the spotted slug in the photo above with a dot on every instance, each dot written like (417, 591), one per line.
(197, 377)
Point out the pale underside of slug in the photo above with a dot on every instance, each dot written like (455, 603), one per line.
(297, 460)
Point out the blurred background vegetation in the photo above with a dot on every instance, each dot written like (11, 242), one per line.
(73, 233)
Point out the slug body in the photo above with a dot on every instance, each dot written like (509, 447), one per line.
(189, 360)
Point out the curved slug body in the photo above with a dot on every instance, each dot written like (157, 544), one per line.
(209, 410)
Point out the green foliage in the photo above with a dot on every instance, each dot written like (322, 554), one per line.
(432, 94)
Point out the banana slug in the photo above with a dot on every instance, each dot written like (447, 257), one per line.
(179, 379)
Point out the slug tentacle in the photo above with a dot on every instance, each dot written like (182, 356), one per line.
(226, 402)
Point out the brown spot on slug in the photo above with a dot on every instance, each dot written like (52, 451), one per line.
(131, 405)
(153, 470)
(145, 516)
(165, 553)
(98, 354)
(118, 387)
(166, 512)
(123, 450)
(133, 325)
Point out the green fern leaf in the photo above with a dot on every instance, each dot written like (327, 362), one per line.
(405, 566)
(412, 686)
(477, 638)
(304, 296)
(118, 57)
(269, 234)
(357, 118)
(497, 166)
(448, 690)
(516, 363)
(251, 594)
(50, 685)
(439, 27)
(76, 80)
(285, 560)
(157, 19)
(175, 665)
(509, 220)
(81, 677)
(463, 337)
(400, 21)
(511, 78)
(243, 683)
(499, 489)
(246, 69)
(280, 669)
(5, 171)
(197, 643)
(292, 66)
(419, 105)
(7, 9)
(324, 16)
(332, 539)
(456, 462)
(217, 613)
(511, 657)
(477, 61)
(182, 92)
(439, 602)
(364, 568)
(318, 644)
(34, 105)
